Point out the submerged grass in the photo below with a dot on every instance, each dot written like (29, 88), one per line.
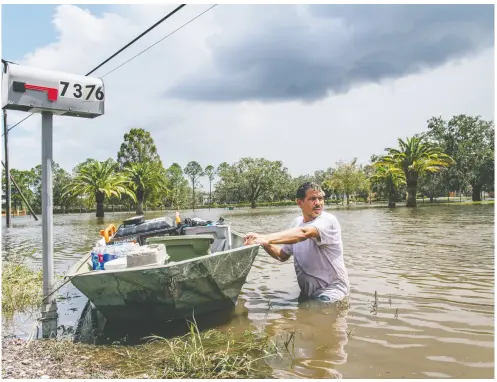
(21, 288)
(209, 354)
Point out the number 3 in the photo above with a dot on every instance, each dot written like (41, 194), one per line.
(78, 93)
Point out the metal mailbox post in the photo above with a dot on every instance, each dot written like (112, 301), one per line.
(49, 92)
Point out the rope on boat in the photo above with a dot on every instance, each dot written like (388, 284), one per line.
(60, 286)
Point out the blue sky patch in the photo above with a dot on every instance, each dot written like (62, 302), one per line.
(26, 27)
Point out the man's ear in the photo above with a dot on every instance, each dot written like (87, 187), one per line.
(299, 202)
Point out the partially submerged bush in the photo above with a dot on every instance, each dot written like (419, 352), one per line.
(21, 288)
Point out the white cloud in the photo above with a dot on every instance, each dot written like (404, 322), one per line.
(306, 137)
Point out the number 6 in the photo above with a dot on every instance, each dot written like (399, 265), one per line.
(99, 94)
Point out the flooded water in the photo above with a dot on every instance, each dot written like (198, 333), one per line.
(422, 290)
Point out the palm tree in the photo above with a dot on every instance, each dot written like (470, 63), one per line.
(144, 179)
(415, 158)
(393, 176)
(194, 171)
(97, 180)
(210, 172)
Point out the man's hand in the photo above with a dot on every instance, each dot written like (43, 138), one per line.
(255, 238)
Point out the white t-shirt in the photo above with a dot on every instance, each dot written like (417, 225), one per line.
(319, 262)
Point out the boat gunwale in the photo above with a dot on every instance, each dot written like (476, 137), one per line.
(72, 272)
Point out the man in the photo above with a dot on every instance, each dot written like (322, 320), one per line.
(315, 241)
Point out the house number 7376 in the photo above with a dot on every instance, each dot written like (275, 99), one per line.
(78, 91)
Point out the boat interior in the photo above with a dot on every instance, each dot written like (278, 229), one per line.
(197, 241)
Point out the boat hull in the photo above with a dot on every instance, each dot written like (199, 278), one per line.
(171, 291)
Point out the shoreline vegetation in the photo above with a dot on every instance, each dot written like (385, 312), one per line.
(449, 158)
(21, 288)
(454, 201)
(206, 354)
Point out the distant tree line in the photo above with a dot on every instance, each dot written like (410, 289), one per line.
(455, 156)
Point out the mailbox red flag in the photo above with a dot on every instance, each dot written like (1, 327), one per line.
(52, 93)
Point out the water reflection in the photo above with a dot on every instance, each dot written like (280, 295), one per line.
(315, 336)
(94, 328)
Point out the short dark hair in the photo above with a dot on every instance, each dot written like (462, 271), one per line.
(302, 190)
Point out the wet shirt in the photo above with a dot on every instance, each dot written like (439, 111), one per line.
(319, 261)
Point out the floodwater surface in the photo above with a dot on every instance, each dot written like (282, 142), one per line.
(421, 304)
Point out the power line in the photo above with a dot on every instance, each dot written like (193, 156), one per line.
(151, 46)
(22, 120)
(137, 38)
(111, 57)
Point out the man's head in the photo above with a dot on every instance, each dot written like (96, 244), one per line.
(310, 198)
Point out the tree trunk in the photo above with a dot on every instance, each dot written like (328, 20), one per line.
(476, 193)
(391, 200)
(431, 198)
(139, 207)
(411, 194)
(347, 199)
(391, 193)
(99, 198)
(140, 197)
(100, 209)
(252, 204)
(193, 201)
(210, 195)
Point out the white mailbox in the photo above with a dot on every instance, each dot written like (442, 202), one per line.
(37, 90)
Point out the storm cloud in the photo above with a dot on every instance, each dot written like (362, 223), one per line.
(305, 53)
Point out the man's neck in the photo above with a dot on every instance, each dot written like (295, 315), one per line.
(308, 218)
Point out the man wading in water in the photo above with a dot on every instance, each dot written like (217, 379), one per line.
(315, 241)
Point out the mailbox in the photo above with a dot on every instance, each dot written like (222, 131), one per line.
(37, 90)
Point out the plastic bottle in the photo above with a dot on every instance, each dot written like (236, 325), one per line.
(94, 260)
(101, 265)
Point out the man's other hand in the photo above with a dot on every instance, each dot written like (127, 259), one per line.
(255, 238)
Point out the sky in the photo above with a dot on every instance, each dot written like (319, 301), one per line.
(309, 85)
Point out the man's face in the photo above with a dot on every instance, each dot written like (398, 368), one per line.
(312, 205)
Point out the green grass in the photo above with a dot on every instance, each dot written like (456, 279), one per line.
(21, 288)
(490, 202)
(209, 354)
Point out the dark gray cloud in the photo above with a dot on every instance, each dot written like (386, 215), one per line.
(282, 53)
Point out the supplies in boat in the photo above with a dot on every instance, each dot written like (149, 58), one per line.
(137, 229)
(153, 254)
(127, 255)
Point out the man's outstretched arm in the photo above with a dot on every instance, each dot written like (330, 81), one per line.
(289, 236)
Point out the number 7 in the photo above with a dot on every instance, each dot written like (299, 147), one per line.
(92, 87)
(66, 84)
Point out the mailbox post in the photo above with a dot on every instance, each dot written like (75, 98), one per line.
(50, 92)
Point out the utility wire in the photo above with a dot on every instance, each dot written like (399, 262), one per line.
(115, 54)
(151, 46)
(137, 38)
(22, 120)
